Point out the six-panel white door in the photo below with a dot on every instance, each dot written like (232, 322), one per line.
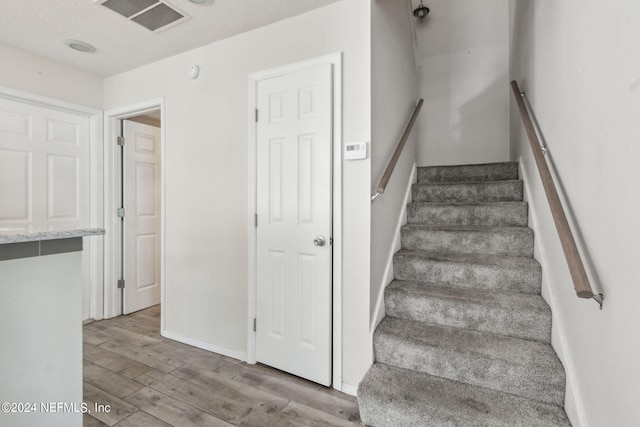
(44, 168)
(294, 286)
(142, 216)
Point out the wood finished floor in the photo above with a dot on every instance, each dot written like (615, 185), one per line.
(149, 380)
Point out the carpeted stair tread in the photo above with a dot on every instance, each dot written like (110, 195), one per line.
(512, 314)
(497, 214)
(390, 397)
(513, 274)
(480, 172)
(507, 241)
(469, 192)
(524, 368)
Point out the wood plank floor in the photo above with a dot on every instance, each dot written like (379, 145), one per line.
(148, 380)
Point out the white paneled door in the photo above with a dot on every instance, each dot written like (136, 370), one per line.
(293, 323)
(142, 216)
(44, 168)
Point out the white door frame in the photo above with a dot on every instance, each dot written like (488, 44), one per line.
(111, 201)
(92, 271)
(336, 61)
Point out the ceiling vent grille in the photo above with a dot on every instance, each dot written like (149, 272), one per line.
(154, 15)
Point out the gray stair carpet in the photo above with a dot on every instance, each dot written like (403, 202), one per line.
(496, 214)
(508, 241)
(466, 337)
(518, 274)
(468, 192)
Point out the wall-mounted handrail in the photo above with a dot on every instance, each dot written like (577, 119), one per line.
(574, 261)
(382, 185)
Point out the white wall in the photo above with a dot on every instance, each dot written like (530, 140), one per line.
(30, 73)
(578, 63)
(206, 125)
(463, 50)
(394, 93)
(41, 330)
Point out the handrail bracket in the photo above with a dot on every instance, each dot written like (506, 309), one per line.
(599, 298)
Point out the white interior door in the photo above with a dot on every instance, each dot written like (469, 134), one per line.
(44, 168)
(293, 331)
(142, 216)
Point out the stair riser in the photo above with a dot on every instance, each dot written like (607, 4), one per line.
(513, 214)
(466, 173)
(482, 276)
(472, 368)
(512, 242)
(504, 191)
(525, 323)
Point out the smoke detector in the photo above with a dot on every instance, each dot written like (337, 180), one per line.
(154, 15)
(80, 46)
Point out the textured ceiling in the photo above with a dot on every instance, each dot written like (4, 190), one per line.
(40, 26)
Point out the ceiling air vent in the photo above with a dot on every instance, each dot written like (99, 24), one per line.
(154, 15)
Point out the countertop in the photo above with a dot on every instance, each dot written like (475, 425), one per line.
(18, 236)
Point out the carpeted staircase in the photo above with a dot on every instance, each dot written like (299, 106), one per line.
(466, 337)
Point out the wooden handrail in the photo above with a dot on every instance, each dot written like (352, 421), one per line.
(382, 185)
(576, 267)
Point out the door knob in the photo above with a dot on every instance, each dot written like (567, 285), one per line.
(319, 241)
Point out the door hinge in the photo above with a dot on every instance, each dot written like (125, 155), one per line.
(120, 141)
(256, 219)
(120, 212)
(255, 323)
(256, 114)
(120, 283)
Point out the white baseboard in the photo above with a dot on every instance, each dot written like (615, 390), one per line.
(573, 404)
(240, 355)
(379, 312)
(350, 389)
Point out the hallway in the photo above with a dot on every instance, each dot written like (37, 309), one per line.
(148, 380)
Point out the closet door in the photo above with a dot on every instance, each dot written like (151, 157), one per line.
(44, 168)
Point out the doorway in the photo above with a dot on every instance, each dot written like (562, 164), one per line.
(50, 175)
(295, 287)
(140, 165)
(134, 208)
